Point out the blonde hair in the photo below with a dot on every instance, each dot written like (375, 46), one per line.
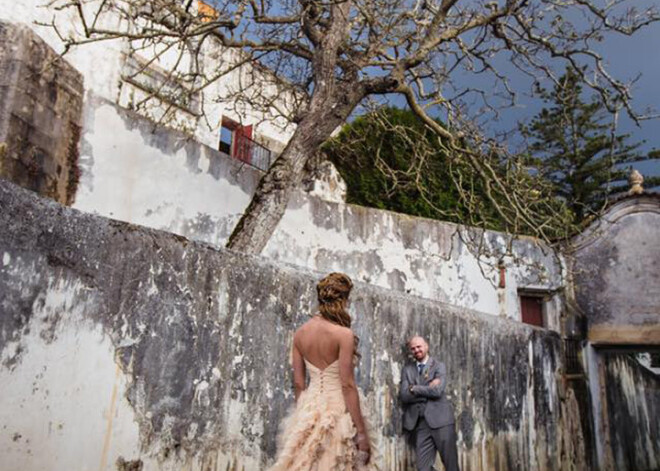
(333, 292)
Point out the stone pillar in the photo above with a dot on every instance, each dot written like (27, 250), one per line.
(41, 99)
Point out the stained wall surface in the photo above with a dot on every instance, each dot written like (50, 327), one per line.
(633, 407)
(136, 171)
(617, 273)
(159, 178)
(41, 100)
(616, 268)
(124, 346)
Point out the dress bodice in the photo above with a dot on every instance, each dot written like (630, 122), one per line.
(324, 381)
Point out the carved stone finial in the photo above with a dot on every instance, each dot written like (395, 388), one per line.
(635, 179)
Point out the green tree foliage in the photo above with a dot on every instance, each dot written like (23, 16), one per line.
(385, 160)
(391, 160)
(573, 145)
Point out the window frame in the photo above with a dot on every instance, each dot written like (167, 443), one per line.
(543, 296)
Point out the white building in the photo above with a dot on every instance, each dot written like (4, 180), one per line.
(179, 164)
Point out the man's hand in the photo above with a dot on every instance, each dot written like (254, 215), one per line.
(434, 383)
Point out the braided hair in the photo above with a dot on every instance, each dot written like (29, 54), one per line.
(333, 292)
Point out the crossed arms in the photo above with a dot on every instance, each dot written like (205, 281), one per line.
(411, 394)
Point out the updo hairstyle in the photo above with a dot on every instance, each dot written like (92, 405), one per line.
(333, 292)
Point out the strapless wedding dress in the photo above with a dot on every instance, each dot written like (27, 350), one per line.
(318, 434)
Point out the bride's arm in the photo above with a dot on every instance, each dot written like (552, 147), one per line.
(349, 388)
(298, 370)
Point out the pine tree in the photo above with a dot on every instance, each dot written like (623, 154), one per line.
(572, 146)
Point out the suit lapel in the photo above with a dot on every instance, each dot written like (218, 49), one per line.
(427, 372)
(413, 377)
(430, 365)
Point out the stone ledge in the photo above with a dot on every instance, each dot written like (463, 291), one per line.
(624, 335)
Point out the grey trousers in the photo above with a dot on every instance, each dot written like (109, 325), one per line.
(428, 440)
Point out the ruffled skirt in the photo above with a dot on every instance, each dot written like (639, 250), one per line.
(318, 435)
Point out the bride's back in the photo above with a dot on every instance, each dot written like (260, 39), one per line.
(324, 347)
(318, 341)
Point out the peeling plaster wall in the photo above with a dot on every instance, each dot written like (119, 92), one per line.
(617, 273)
(615, 265)
(120, 343)
(618, 264)
(633, 407)
(159, 178)
(428, 258)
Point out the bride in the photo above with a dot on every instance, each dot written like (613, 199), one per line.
(327, 430)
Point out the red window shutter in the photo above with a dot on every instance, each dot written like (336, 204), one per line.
(241, 140)
(246, 131)
(243, 143)
(532, 310)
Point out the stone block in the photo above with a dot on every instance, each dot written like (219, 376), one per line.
(40, 112)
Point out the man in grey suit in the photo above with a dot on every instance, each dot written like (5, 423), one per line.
(427, 413)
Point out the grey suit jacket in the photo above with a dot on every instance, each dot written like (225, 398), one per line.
(428, 401)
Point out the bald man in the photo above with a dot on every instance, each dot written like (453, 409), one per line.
(427, 414)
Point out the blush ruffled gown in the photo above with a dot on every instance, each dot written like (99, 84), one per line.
(318, 434)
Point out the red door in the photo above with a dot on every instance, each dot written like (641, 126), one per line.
(532, 310)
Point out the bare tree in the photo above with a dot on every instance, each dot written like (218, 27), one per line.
(329, 56)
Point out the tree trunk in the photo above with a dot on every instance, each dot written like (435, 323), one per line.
(272, 195)
(330, 104)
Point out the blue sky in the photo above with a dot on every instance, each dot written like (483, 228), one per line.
(627, 58)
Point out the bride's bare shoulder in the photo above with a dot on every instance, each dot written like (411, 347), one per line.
(303, 329)
(340, 333)
(321, 326)
(344, 333)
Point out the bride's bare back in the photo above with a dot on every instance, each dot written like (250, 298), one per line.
(318, 341)
(318, 434)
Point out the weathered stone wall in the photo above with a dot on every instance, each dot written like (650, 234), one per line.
(617, 273)
(159, 178)
(40, 109)
(616, 270)
(122, 345)
(633, 409)
(425, 257)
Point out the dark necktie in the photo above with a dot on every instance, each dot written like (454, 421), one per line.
(420, 368)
